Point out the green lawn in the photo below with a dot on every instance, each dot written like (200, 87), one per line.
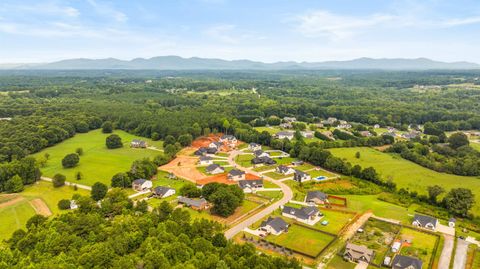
(50, 195)
(269, 184)
(244, 160)
(271, 130)
(264, 168)
(476, 146)
(302, 239)
(317, 173)
(276, 175)
(339, 263)
(361, 203)
(407, 174)
(271, 194)
(304, 167)
(285, 160)
(14, 217)
(422, 246)
(97, 162)
(337, 220)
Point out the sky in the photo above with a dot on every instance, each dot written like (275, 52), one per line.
(262, 30)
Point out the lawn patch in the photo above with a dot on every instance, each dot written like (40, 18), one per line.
(422, 246)
(244, 160)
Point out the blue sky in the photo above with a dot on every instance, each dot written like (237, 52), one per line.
(265, 30)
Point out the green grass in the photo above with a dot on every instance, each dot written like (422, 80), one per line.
(422, 246)
(407, 174)
(271, 130)
(339, 263)
(476, 259)
(476, 146)
(269, 184)
(264, 168)
(337, 220)
(50, 195)
(14, 217)
(317, 173)
(361, 203)
(285, 160)
(302, 239)
(244, 160)
(271, 194)
(276, 175)
(304, 167)
(97, 162)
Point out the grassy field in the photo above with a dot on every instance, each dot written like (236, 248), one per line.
(361, 203)
(271, 194)
(302, 239)
(422, 246)
(15, 216)
(276, 175)
(475, 145)
(271, 130)
(264, 168)
(336, 221)
(339, 263)
(407, 174)
(97, 162)
(244, 160)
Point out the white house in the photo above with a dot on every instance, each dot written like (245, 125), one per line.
(250, 186)
(163, 192)
(308, 215)
(214, 169)
(215, 145)
(284, 134)
(261, 154)
(236, 175)
(254, 146)
(301, 176)
(396, 246)
(284, 170)
(230, 139)
(205, 160)
(274, 226)
(141, 184)
(73, 204)
(307, 134)
(425, 222)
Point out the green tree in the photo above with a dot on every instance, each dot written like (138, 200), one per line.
(70, 160)
(433, 192)
(78, 175)
(79, 151)
(113, 141)
(107, 127)
(98, 192)
(58, 180)
(459, 201)
(457, 140)
(224, 202)
(357, 155)
(190, 190)
(185, 140)
(226, 125)
(64, 204)
(14, 184)
(121, 180)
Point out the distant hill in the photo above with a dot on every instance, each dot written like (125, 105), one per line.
(195, 63)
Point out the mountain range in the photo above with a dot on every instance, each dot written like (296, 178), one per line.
(195, 63)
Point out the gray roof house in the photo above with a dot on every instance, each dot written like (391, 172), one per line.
(261, 153)
(274, 225)
(263, 160)
(138, 143)
(285, 170)
(254, 146)
(406, 262)
(206, 160)
(316, 197)
(425, 222)
(214, 169)
(163, 192)
(307, 214)
(236, 174)
(250, 185)
(197, 204)
(301, 176)
(356, 253)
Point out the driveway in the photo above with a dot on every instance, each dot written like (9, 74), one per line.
(287, 196)
(361, 265)
(461, 255)
(444, 262)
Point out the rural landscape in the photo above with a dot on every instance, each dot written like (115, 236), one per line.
(338, 146)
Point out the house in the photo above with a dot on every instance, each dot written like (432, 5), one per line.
(254, 146)
(263, 160)
(260, 153)
(307, 134)
(205, 160)
(425, 222)
(230, 139)
(216, 145)
(411, 135)
(297, 163)
(307, 214)
(211, 150)
(284, 134)
(319, 125)
(344, 126)
(396, 246)
(328, 134)
(331, 120)
(200, 151)
(451, 222)
(286, 125)
(274, 226)
(284, 170)
(249, 186)
(141, 184)
(357, 253)
(73, 204)
(163, 192)
(406, 262)
(365, 133)
(214, 169)
(301, 176)
(376, 126)
(197, 204)
(316, 197)
(138, 143)
(236, 175)
(289, 119)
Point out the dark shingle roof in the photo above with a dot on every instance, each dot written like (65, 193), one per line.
(316, 195)
(213, 167)
(300, 173)
(258, 152)
(278, 224)
(302, 213)
(191, 202)
(424, 220)
(236, 172)
(205, 158)
(401, 262)
(283, 168)
(250, 183)
(139, 181)
(161, 191)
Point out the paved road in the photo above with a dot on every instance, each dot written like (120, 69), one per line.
(287, 196)
(80, 186)
(444, 262)
(461, 255)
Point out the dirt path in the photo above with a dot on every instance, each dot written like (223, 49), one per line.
(352, 229)
(460, 259)
(444, 262)
(40, 207)
(12, 201)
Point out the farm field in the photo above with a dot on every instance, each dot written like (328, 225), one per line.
(407, 174)
(302, 239)
(97, 162)
(422, 247)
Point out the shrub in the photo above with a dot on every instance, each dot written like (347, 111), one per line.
(64, 204)
(113, 141)
(70, 160)
(99, 190)
(58, 180)
(14, 184)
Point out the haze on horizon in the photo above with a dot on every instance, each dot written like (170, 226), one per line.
(268, 31)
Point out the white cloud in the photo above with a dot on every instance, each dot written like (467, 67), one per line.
(108, 11)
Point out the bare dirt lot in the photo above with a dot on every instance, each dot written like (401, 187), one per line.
(184, 167)
(10, 199)
(40, 207)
